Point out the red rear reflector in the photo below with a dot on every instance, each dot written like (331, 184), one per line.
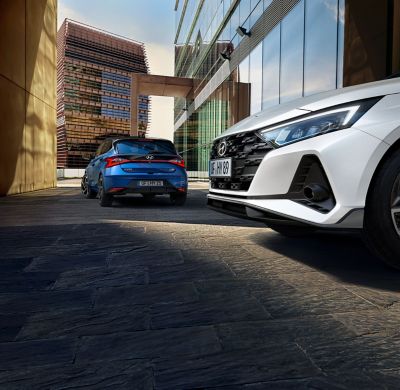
(113, 161)
(117, 189)
(179, 162)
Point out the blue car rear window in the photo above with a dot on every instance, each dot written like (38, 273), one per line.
(145, 147)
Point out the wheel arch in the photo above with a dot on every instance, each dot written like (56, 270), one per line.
(395, 147)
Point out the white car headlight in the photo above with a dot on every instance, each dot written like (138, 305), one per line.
(317, 124)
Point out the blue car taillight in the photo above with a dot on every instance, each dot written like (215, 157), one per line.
(178, 161)
(113, 161)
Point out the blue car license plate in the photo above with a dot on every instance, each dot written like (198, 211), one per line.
(151, 183)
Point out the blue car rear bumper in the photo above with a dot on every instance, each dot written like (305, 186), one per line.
(135, 179)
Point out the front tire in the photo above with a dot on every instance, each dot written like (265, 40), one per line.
(87, 192)
(178, 198)
(382, 213)
(105, 200)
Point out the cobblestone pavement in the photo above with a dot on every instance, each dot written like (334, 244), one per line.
(152, 296)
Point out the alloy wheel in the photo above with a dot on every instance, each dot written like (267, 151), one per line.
(85, 186)
(101, 190)
(395, 204)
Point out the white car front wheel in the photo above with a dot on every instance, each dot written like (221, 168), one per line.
(382, 212)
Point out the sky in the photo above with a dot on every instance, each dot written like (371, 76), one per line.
(150, 22)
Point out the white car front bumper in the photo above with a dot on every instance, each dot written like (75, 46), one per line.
(349, 159)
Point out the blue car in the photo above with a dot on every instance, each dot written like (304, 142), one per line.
(135, 165)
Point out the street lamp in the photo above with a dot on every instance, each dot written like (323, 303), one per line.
(242, 31)
(223, 55)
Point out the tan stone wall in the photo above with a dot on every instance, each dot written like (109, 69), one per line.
(27, 95)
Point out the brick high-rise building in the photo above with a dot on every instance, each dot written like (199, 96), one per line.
(94, 90)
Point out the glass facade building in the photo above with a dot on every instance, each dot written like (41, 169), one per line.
(293, 48)
(94, 90)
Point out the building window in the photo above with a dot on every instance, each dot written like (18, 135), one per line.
(271, 59)
(257, 10)
(267, 3)
(292, 41)
(256, 73)
(340, 54)
(320, 55)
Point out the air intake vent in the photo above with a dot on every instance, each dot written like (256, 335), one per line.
(310, 174)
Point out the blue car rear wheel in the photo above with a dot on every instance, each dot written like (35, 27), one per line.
(105, 200)
(178, 198)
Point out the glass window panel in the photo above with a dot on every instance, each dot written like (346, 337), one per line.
(340, 44)
(244, 71)
(257, 11)
(320, 46)
(235, 21)
(243, 90)
(227, 4)
(267, 3)
(256, 71)
(292, 29)
(244, 12)
(271, 59)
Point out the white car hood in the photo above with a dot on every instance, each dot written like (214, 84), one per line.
(316, 102)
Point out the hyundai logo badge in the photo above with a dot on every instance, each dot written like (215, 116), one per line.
(222, 147)
(150, 157)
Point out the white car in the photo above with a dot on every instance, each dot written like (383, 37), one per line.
(328, 161)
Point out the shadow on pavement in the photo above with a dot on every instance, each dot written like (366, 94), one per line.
(67, 205)
(341, 255)
(173, 307)
(192, 302)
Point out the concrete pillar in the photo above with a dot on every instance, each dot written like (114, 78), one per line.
(27, 95)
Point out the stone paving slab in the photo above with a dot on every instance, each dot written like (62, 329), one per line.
(78, 323)
(252, 334)
(12, 266)
(100, 277)
(229, 368)
(145, 295)
(10, 326)
(124, 375)
(145, 258)
(149, 344)
(64, 262)
(370, 322)
(160, 293)
(187, 272)
(36, 353)
(26, 282)
(312, 302)
(206, 312)
(330, 381)
(45, 301)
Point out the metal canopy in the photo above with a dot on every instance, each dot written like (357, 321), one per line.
(155, 85)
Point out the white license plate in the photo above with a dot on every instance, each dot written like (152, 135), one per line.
(221, 167)
(151, 183)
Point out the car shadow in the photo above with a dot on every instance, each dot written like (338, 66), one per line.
(132, 201)
(341, 255)
(195, 210)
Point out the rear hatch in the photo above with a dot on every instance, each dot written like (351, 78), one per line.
(146, 156)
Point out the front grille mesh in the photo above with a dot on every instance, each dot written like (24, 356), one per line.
(247, 150)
